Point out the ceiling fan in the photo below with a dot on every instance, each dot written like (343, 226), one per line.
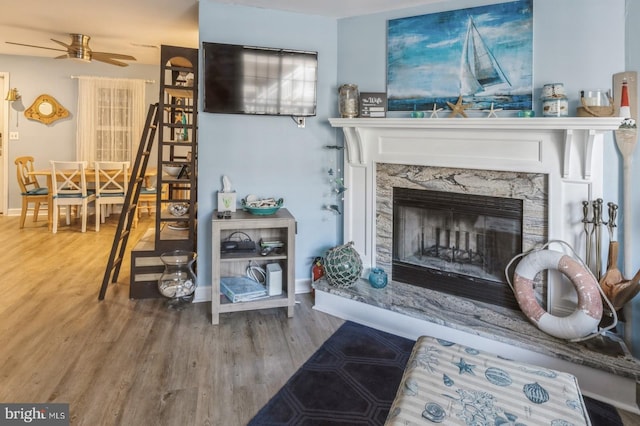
(79, 49)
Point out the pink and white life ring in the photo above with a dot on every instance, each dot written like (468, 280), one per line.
(586, 317)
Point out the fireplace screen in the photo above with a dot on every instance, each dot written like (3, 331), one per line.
(456, 243)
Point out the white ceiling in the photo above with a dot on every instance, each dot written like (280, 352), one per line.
(139, 27)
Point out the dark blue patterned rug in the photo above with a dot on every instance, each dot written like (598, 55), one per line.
(352, 380)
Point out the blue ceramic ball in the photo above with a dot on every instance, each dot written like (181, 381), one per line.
(377, 278)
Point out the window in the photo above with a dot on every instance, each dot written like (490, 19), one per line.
(110, 118)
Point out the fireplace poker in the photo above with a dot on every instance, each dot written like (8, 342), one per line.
(613, 212)
(587, 232)
(597, 216)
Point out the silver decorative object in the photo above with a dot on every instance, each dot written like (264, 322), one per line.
(349, 100)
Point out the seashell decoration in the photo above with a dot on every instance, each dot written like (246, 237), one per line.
(447, 380)
(434, 412)
(536, 393)
(411, 387)
(498, 376)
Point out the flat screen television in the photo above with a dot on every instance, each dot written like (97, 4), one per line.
(259, 80)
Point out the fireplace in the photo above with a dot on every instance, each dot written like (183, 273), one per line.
(455, 230)
(456, 243)
(550, 164)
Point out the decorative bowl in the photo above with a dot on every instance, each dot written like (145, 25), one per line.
(178, 209)
(264, 207)
(172, 170)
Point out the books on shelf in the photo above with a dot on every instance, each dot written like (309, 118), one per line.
(242, 289)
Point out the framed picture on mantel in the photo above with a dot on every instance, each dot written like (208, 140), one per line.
(373, 105)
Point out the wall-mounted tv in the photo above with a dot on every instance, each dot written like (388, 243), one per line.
(259, 80)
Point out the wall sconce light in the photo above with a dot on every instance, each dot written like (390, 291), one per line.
(12, 95)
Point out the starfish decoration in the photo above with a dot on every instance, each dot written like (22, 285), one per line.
(435, 110)
(464, 367)
(458, 108)
(492, 111)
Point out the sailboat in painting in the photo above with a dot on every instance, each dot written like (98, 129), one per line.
(479, 69)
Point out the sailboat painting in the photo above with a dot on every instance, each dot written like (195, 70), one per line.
(484, 54)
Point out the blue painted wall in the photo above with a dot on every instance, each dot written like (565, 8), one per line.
(271, 156)
(580, 43)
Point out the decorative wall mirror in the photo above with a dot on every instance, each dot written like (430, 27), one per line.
(46, 110)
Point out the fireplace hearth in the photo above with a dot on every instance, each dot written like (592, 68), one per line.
(456, 243)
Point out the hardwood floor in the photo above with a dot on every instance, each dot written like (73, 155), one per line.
(135, 362)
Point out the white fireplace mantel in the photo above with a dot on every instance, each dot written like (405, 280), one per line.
(568, 151)
(547, 123)
(354, 127)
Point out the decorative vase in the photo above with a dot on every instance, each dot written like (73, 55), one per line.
(377, 278)
(178, 281)
(349, 100)
(342, 266)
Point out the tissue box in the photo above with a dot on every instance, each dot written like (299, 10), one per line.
(226, 201)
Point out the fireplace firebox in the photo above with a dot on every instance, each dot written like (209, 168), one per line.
(456, 243)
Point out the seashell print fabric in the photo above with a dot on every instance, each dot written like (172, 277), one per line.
(451, 384)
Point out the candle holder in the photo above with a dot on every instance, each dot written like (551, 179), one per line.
(348, 100)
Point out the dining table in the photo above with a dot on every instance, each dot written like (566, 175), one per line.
(150, 172)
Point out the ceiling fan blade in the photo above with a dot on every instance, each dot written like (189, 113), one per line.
(108, 60)
(65, 45)
(113, 55)
(39, 47)
(79, 49)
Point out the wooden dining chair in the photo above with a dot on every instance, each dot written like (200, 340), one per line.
(111, 184)
(69, 182)
(148, 198)
(30, 189)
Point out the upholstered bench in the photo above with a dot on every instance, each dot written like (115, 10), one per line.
(453, 384)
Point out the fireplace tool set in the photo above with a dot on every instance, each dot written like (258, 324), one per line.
(617, 289)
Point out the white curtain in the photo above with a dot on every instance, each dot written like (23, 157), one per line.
(111, 117)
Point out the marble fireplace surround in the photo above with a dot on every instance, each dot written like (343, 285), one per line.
(568, 151)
